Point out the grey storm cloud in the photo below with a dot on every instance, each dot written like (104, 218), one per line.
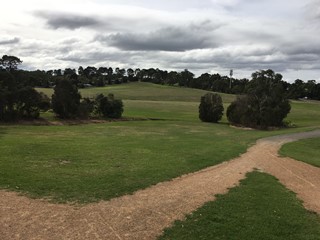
(9, 41)
(164, 39)
(70, 21)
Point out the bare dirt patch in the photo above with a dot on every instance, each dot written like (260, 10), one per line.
(147, 212)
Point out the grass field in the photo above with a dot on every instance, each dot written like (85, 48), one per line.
(99, 161)
(307, 150)
(146, 91)
(260, 208)
(86, 163)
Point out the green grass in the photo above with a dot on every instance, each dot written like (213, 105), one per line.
(93, 162)
(307, 150)
(305, 114)
(86, 163)
(260, 208)
(146, 91)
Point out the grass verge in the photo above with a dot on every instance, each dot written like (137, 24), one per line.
(307, 150)
(260, 208)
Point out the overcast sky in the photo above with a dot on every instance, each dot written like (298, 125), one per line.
(202, 36)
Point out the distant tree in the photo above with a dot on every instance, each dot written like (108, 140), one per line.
(66, 99)
(57, 72)
(29, 103)
(80, 70)
(10, 63)
(86, 108)
(108, 106)
(130, 74)
(18, 101)
(186, 78)
(211, 108)
(265, 103)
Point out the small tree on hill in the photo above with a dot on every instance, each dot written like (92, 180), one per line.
(211, 108)
(66, 99)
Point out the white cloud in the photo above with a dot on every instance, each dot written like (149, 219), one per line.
(251, 34)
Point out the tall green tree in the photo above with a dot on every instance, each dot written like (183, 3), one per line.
(66, 100)
(265, 103)
(10, 63)
(211, 108)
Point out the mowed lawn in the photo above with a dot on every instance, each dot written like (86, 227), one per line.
(86, 163)
(92, 162)
(307, 150)
(260, 208)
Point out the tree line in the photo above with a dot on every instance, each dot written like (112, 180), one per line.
(262, 101)
(102, 76)
(19, 99)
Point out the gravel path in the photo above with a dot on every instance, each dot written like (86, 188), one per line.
(147, 212)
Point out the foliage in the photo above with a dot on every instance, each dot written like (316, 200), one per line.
(264, 105)
(260, 208)
(86, 108)
(66, 100)
(211, 108)
(108, 106)
(18, 101)
(9, 63)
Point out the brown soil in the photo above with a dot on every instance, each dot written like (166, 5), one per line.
(147, 212)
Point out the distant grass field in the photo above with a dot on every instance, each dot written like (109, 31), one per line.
(307, 150)
(260, 208)
(146, 91)
(86, 163)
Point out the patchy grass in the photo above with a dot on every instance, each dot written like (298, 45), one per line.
(260, 208)
(307, 150)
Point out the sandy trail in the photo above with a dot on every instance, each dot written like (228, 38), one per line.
(147, 212)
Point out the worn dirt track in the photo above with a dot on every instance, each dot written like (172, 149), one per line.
(147, 212)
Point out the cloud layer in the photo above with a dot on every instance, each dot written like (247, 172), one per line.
(70, 21)
(203, 36)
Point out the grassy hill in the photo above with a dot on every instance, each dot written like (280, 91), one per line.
(85, 163)
(146, 91)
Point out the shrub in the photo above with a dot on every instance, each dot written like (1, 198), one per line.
(86, 108)
(211, 108)
(108, 106)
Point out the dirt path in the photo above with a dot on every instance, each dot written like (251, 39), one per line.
(146, 213)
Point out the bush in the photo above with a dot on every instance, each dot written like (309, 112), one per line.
(108, 107)
(265, 104)
(211, 108)
(86, 108)
(66, 100)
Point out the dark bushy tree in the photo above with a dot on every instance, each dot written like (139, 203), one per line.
(265, 104)
(108, 106)
(211, 108)
(66, 100)
(86, 108)
(9, 63)
(17, 101)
